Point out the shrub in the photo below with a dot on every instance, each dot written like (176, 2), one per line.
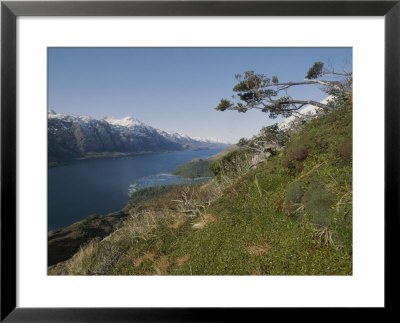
(232, 163)
(309, 197)
(195, 169)
(345, 148)
(298, 151)
(294, 193)
(145, 194)
(317, 203)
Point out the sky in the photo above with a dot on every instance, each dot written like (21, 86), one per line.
(177, 89)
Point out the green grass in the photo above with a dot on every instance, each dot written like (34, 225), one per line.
(291, 215)
(145, 194)
(195, 169)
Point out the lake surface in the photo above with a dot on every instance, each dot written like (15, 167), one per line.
(101, 186)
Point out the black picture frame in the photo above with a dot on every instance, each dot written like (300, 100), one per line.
(10, 10)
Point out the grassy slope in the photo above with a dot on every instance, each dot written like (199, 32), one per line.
(195, 169)
(246, 229)
(198, 168)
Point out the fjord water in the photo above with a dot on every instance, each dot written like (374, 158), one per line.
(101, 186)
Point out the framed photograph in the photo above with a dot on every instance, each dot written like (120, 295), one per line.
(172, 160)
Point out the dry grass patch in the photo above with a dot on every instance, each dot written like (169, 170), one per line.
(80, 262)
(324, 235)
(257, 272)
(204, 221)
(58, 269)
(147, 256)
(260, 250)
(178, 223)
(161, 266)
(182, 260)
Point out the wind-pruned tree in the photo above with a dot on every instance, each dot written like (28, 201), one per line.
(257, 91)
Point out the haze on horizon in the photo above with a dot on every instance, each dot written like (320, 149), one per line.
(176, 89)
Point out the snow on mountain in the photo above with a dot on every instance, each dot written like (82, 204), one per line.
(177, 135)
(128, 122)
(307, 111)
(210, 139)
(72, 136)
(51, 114)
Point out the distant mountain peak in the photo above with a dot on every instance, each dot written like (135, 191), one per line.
(125, 122)
(211, 140)
(51, 114)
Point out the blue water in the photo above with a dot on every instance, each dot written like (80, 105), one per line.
(101, 186)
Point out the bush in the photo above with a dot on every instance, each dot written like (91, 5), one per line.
(145, 194)
(229, 164)
(345, 148)
(296, 153)
(317, 203)
(294, 193)
(309, 198)
(195, 169)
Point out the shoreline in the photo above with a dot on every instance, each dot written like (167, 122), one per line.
(107, 155)
(187, 179)
(65, 241)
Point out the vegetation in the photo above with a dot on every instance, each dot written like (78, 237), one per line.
(145, 194)
(64, 243)
(257, 91)
(287, 211)
(197, 168)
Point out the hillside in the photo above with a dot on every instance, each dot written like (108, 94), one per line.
(285, 212)
(64, 243)
(198, 168)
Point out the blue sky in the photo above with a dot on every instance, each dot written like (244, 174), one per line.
(175, 89)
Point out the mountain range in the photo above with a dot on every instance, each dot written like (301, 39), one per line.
(73, 137)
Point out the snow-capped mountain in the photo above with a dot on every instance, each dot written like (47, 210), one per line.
(72, 137)
(128, 122)
(307, 111)
(211, 140)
